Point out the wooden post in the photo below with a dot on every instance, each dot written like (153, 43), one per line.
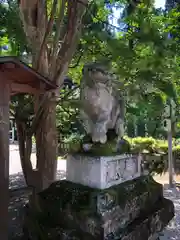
(4, 157)
(170, 160)
(170, 154)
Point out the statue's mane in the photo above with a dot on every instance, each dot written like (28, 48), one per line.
(95, 73)
(94, 66)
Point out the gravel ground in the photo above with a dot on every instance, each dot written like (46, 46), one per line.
(18, 201)
(172, 232)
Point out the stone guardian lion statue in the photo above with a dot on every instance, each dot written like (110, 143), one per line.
(102, 107)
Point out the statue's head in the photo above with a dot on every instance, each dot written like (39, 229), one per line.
(97, 73)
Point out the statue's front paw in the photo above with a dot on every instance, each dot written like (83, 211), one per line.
(99, 137)
(103, 139)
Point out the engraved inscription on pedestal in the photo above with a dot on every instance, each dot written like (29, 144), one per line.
(102, 172)
(120, 169)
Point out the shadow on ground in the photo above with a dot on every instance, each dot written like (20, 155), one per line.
(18, 198)
(172, 232)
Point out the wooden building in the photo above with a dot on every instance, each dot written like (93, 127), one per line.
(15, 77)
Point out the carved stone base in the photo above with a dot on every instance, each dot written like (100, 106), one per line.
(133, 210)
(102, 172)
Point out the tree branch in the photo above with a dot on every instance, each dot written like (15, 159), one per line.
(58, 33)
(99, 20)
(47, 32)
(78, 61)
(12, 113)
(29, 10)
(68, 94)
(75, 14)
(37, 117)
(41, 16)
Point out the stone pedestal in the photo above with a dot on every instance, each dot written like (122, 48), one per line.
(132, 209)
(102, 172)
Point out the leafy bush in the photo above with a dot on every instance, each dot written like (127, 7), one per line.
(73, 138)
(155, 151)
(73, 142)
(176, 152)
(33, 140)
(147, 145)
(141, 144)
(150, 145)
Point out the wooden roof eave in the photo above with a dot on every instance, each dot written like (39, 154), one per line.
(43, 80)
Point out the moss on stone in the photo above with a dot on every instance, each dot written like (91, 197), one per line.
(87, 201)
(107, 149)
(74, 206)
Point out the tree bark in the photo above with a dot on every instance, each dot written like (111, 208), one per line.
(45, 172)
(46, 145)
(52, 63)
(25, 147)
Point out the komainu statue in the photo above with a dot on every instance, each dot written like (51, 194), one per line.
(102, 107)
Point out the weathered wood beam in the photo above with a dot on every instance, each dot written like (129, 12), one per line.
(24, 88)
(4, 157)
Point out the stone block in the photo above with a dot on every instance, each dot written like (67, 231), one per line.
(150, 223)
(133, 210)
(102, 172)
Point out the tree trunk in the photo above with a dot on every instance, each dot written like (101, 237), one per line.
(46, 145)
(25, 147)
(45, 172)
(52, 62)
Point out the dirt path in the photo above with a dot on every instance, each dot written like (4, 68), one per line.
(164, 179)
(15, 163)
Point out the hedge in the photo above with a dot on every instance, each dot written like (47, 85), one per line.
(155, 151)
(151, 145)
